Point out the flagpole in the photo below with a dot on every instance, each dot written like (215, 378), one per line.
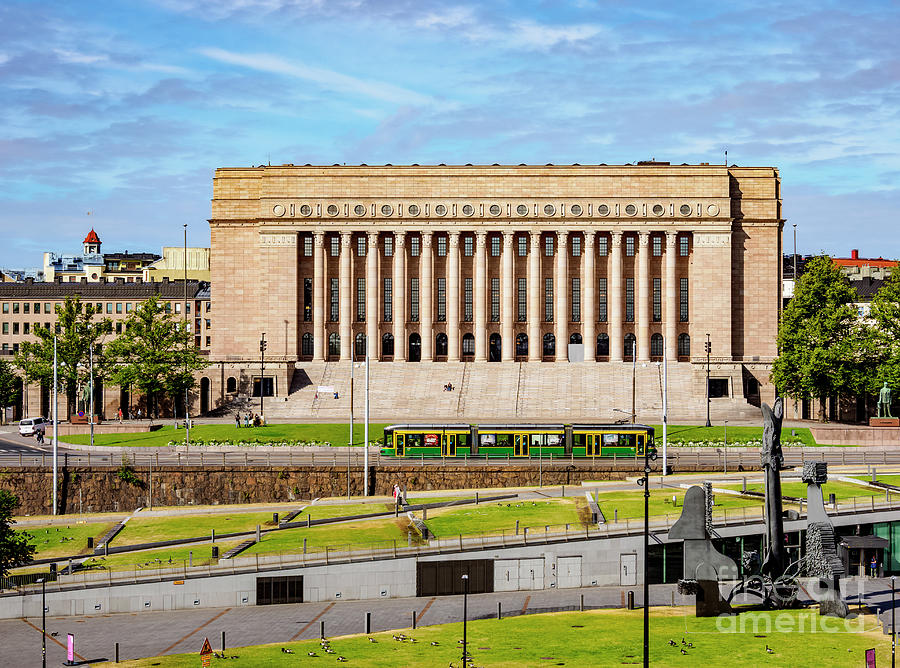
(55, 423)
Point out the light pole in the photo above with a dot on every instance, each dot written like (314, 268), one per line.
(465, 652)
(187, 410)
(43, 622)
(91, 352)
(262, 377)
(708, 351)
(350, 442)
(665, 424)
(645, 483)
(366, 428)
(725, 449)
(893, 629)
(633, 378)
(55, 422)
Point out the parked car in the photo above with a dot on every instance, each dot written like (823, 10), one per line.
(29, 426)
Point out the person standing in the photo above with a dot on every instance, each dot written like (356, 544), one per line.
(873, 567)
(237, 420)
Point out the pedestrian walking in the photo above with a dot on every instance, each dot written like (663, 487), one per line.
(873, 567)
(247, 420)
(119, 415)
(237, 420)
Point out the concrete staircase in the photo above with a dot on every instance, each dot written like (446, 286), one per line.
(504, 391)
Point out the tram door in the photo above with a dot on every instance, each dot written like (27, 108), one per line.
(400, 444)
(639, 444)
(448, 445)
(593, 445)
(520, 445)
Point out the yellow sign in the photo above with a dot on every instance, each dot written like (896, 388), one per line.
(206, 650)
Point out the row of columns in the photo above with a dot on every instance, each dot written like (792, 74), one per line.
(615, 296)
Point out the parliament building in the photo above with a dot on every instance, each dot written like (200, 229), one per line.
(566, 269)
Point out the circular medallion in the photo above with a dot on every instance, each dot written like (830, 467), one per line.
(549, 209)
(685, 209)
(631, 209)
(602, 210)
(332, 209)
(278, 210)
(522, 210)
(359, 210)
(386, 209)
(494, 209)
(440, 210)
(713, 209)
(468, 209)
(305, 210)
(576, 209)
(658, 209)
(413, 209)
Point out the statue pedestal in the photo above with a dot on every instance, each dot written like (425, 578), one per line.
(884, 422)
(83, 419)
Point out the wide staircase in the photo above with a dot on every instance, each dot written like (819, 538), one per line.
(407, 391)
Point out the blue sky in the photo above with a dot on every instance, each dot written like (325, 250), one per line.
(126, 108)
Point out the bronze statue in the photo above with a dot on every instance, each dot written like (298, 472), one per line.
(772, 460)
(884, 402)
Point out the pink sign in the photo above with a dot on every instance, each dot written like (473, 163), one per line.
(70, 648)
(870, 658)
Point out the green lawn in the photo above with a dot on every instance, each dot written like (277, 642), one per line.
(502, 515)
(842, 490)
(62, 540)
(342, 510)
(677, 434)
(587, 639)
(335, 434)
(188, 526)
(169, 557)
(888, 479)
(631, 504)
(337, 536)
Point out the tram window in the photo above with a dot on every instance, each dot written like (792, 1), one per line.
(578, 440)
(554, 439)
(462, 440)
(504, 440)
(414, 440)
(626, 440)
(488, 440)
(610, 440)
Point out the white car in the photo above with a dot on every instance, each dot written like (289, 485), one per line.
(30, 426)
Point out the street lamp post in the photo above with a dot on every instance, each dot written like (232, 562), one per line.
(725, 450)
(366, 428)
(262, 377)
(633, 379)
(645, 483)
(893, 629)
(350, 442)
(43, 622)
(187, 410)
(708, 351)
(55, 423)
(465, 652)
(91, 351)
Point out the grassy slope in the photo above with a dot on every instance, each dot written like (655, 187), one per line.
(631, 504)
(843, 490)
(736, 435)
(502, 515)
(163, 558)
(595, 638)
(62, 540)
(188, 526)
(335, 536)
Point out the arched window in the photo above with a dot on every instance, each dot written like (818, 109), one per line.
(360, 345)
(440, 345)
(495, 348)
(549, 344)
(575, 338)
(656, 345)
(521, 345)
(387, 345)
(684, 345)
(630, 342)
(306, 345)
(231, 384)
(468, 344)
(602, 345)
(415, 348)
(334, 344)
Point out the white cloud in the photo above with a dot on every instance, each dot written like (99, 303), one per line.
(528, 34)
(336, 81)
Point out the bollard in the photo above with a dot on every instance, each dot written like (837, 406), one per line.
(304, 546)
(413, 620)
(274, 518)
(476, 498)
(308, 521)
(744, 484)
(258, 533)
(630, 603)
(832, 499)
(616, 515)
(517, 527)
(874, 475)
(117, 652)
(499, 610)
(191, 559)
(581, 604)
(215, 551)
(90, 542)
(424, 514)
(322, 629)
(368, 623)
(563, 493)
(213, 536)
(223, 642)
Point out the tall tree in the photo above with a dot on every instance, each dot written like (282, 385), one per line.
(77, 329)
(885, 335)
(155, 354)
(9, 388)
(14, 547)
(820, 337)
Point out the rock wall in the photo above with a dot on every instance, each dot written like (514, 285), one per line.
(100, 489)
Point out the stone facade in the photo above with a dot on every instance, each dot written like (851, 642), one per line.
(498, 264)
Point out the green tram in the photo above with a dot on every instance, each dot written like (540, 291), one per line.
(553, 441)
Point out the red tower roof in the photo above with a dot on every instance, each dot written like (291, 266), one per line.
(92, 237)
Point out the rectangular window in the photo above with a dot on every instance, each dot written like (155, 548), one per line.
(414, 246)
(523, 246)
(119, 307)
(119, 327)
(168, 307)
(576, 246)
(177, 307)
(99, 308)
(26, 327)
(657, 246)
(603, 246)
(684, 300)
(495, 300)
(335, 246)
(657, 300)
(629, 246)
(334, 300)
(307, 246)
(576, 300)
(360, 246)
(629, 300)
(37, 308)
(495, 246)
(522, 301)
(26, 308)
(389, 246)
(15, 328)
(46, 307)
(548, 299)
(467, 301)
(207, 341)
(128, 307)
(388, 297)
(109, 307)
(187, 308)
(208, 324)
(414, 299)
(602, 299)
(683, 246)
(360, 300)
(548, 246)
(6, 328)
(442, 299)
(6, 307)
(307, 299)
(442, 246)
(468, 244)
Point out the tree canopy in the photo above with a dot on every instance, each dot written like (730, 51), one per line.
(822, 343)
(154, 353)
(885, 335)
(9, 388)
(14, 547)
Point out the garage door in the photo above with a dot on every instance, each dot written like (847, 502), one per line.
(568, 571)
(444, 578)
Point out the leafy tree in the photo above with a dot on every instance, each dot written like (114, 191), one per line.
(9, 388)
(14, 548)
(821, 342)
(155, 353)
(885, 336)
(76, 331)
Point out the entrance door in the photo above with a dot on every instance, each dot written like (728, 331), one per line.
(520, 445)
(448, 445)
(568, 572)
(593, 445)
(400, 444)
(531, 574)
(627, 569)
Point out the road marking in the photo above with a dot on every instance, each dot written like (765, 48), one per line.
(424, 610)
(527, 601)
(77, 655)
(181, 640)
(313, 621)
